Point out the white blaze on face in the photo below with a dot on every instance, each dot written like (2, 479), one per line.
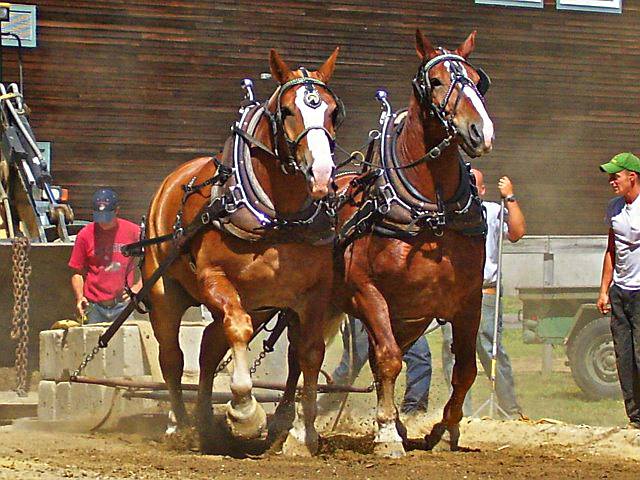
(478, 104)
(317, 139)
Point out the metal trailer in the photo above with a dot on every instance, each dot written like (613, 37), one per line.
(567, 316)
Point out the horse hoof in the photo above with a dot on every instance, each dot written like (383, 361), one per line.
(173, 426)
(454, 438)
(246, 422)
(433, 438)
(389, 449)
(294, 447)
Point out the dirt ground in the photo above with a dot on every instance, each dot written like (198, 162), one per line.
(491, 449)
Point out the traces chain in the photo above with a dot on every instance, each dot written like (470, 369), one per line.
(20, 323)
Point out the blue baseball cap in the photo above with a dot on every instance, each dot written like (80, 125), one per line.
(105, 202)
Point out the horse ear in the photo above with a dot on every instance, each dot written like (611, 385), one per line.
(423, 46)
(467, 47)
(326, 71)
(279, 69)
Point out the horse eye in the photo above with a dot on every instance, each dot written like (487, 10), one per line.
(435, 82)
(286, 112)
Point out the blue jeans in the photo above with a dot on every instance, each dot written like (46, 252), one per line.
(505, 387)
(417, 358)
(100, 314)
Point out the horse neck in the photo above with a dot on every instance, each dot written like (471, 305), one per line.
(419, 135)
(288, 193)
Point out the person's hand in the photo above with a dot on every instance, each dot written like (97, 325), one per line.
(505, 186)
(603, 303)
(81, 307)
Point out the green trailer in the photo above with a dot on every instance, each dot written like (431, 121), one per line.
(567, 316)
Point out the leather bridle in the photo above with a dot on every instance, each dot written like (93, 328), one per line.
(312, 99)
(423, 88)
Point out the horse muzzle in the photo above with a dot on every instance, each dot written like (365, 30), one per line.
(319, 175)
(477, 138)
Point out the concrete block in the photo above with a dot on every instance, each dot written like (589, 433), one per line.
(53, 349)
(63, 401)
(47, 400)
(78, 400)
(190, 338)
(97, 366)
(98, 400)
(76, 349)
(124, 355)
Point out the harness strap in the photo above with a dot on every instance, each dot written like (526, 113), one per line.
(220, 178)
(251, 140)
(214, 210)
(357, 224)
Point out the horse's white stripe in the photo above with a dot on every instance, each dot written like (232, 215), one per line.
(487, 124)
(478, 104)
(316, 139)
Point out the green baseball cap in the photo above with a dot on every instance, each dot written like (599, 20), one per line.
(622, 161)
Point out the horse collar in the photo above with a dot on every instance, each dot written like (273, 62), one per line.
(247, 194)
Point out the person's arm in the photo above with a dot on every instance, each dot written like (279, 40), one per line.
(77, 285)
(607, 274)
(78, 263)
(516, 225)
(136, 287)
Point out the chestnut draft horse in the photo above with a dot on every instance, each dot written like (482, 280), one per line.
(270, 247)
(415, 246)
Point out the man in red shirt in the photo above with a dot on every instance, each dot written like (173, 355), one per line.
(100, 269)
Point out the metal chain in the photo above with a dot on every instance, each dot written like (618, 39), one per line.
(84, 363)
(20, 323)
(223, 365)
(257, 362)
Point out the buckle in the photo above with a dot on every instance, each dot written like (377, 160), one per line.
(387, 195)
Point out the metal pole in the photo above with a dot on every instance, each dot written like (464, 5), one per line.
(496, 311)
(159, 386)
(491, 402)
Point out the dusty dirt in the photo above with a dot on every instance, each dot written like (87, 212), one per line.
(498, 450)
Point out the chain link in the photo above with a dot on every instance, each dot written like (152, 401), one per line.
(257, 362)
(223, 365)
(20, 322)
(84, 363)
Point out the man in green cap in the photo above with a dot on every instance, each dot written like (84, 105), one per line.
(620, 284)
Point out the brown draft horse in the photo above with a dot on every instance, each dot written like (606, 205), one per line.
(397, 286)
(291, 160)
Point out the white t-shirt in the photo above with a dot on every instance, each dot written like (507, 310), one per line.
(491, 245)
(624, 219)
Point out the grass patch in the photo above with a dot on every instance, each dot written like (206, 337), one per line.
(552, 396)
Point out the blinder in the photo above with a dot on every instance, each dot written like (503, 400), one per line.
(422, 82)
(484, 83)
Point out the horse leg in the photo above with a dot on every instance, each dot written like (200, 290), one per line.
(169, 302)
(302, 439)
(387, 366)
(213, 347)
(246, 419)
(463, 376)
(285, 413)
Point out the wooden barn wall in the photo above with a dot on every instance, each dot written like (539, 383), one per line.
(125, 91)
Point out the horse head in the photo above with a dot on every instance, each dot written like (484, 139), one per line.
(449, 88)
(306, 116)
